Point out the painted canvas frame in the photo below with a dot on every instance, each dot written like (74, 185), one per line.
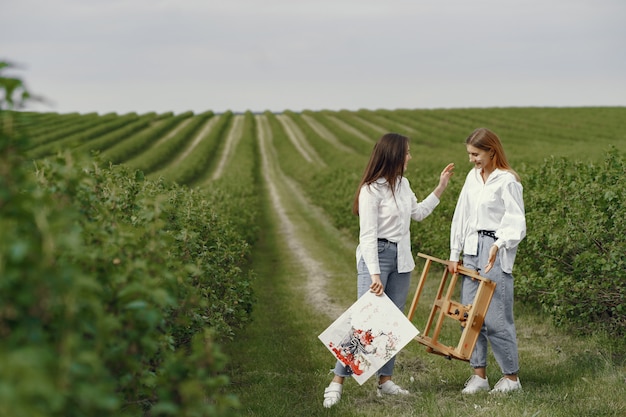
(368, 334)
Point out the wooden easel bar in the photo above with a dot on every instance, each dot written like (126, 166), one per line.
(471, 316)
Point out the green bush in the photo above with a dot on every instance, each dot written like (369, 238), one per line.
(114, 292)
(572, 262)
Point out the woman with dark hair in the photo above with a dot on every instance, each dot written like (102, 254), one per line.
(385, 204)
(487, 226)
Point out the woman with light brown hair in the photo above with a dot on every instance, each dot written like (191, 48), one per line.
(385, 204)
(487, 226)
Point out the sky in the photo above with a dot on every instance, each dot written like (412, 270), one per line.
(180, 55)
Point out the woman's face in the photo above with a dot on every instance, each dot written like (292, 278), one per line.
(480, 158)
(407, 158)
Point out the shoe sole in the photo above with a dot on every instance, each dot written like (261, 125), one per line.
(504, 392)
(475, 391)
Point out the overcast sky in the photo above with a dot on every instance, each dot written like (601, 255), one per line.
(179, 55)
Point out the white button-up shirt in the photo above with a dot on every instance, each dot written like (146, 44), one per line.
(496, 205)
(383, 217)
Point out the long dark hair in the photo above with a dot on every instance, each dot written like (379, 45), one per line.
(386, 161)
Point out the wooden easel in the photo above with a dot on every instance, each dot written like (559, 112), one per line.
(471, 316)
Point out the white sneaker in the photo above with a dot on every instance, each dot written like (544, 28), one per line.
(390, 387)
(474, 384)
(506, 385)
(332, 394)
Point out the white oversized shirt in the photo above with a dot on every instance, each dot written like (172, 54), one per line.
(383, 217)
(496, 205)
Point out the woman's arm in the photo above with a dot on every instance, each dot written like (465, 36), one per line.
(369, 200)
(512, 228)
(444, 178)
(421, 210)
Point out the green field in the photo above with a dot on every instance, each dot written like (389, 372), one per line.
(288, 179)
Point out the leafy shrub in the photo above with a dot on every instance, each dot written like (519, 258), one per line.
(115, 292)
(572, 262)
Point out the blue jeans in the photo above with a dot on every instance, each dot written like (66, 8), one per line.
(396, 287)
(499, 327)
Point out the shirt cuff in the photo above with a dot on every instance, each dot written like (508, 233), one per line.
(499, 243)
(373, 269)
(455, 255)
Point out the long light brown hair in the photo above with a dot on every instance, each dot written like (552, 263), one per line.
(485, 139)
(386, 161)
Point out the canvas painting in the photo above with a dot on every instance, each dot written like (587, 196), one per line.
(368, 334)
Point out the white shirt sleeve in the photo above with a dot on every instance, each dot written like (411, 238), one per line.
(512, 227)
(369, 201)
(421, 210)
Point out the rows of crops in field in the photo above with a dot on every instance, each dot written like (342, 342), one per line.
(302, 169)
(324, 151)
(186, 147)
(321, 153)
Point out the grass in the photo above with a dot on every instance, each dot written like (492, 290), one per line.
(280, 368)
(276, 362)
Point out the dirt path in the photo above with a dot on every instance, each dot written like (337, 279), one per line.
(371, 125)
(350, 129)
(299, 140)
(173, 132)
(326, 134)
(317, 274)
(375, 124)
(205, 130)
(234, 135)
